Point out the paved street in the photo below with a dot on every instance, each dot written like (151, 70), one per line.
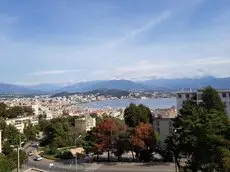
(135, 167)
(70, 166)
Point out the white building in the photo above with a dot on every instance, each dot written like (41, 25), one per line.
(85, 123)
(35, 109)
(197, 97)
(20, 123)
(163, 126)
(162, 121)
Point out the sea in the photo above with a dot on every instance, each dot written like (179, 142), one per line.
(123, 103)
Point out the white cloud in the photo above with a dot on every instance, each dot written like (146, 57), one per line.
(54, 72)
(171, 69)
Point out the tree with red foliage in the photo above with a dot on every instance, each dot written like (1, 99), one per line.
(107, 132)
(144, 139)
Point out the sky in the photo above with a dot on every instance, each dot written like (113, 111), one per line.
(64, 41)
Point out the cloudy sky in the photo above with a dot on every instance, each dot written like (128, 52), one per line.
(78, 40)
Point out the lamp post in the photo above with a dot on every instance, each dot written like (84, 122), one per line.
(76, 152)
(0, 141)
(18, 150)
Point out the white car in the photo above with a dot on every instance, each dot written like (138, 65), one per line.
(38, 158)
(51, 165)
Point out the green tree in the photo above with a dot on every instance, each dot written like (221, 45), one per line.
(122, 144)
(211, 100)
(11, 137)
(43, 124)
(6, 165)
(134, 115)
(30, 132)
(3, 109)
(59, 132)
(90, 141)
(13, 156)
(200, 133)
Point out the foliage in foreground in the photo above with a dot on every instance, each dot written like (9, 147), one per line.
(201, 133)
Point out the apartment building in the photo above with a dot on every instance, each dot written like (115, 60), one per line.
(20, 123)
(85, 123)
(197, 97)
(163, 126)
(162, 122)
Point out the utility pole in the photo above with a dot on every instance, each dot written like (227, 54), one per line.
(18, 150)
(0, 141)
(76, 152)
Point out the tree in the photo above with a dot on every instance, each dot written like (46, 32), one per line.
(43, 124)
(107, 132)
(13, 156)
(144, 139)
(6, 165)
(134, 115)
(3, 109)
(59, 132)
(30, 132)
(11, 135)
(122, 144)
(211, 100)
(200, 133)
(90, 141)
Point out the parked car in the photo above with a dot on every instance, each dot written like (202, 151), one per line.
(38, 158)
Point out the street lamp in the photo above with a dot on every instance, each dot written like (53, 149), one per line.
(18, 152)
(19, 147)
(76, 152)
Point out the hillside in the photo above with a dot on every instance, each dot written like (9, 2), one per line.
(107, 84)
(11, 88)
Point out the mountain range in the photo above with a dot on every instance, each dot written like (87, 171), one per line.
(126, 85)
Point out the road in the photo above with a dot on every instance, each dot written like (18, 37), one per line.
(68, 165)
(65, 166)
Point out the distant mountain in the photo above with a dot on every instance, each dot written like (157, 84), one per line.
(46, 87)
(126, 85)
(174, 84)
(10, 88)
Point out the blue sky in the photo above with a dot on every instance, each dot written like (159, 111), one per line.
(79, 40)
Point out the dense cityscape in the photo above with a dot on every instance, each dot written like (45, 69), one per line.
(56, 130)
(114, 86)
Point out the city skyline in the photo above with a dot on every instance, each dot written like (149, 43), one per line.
(64, 41)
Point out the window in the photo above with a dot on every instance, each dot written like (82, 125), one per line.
(179, 96)
(187, 96)
(194, 97)
(158, 129)
(199, 96)
(224, 95)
